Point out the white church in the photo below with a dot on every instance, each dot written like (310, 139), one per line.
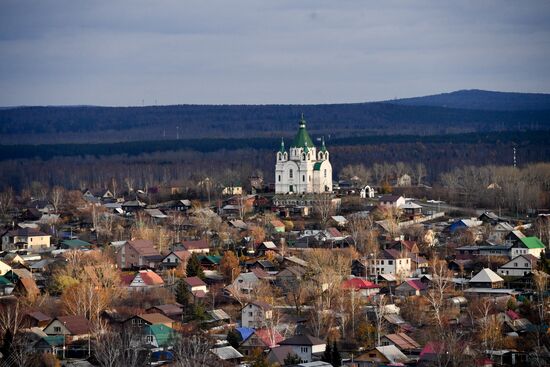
(303, 169)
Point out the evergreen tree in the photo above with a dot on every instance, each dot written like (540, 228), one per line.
(542, 263)
(292, 359)
(6, 345)
(194, 268)
(182, 295)
(327, 355)
(336, 357)
(234, 338)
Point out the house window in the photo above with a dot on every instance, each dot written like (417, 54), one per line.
(390, 262)
(516, 265)
(57, 329)
(149, 338)
(290, 173)
(303, 349)
(526, 265)
(250, 314)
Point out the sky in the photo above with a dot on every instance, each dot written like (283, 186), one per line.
(133, 52)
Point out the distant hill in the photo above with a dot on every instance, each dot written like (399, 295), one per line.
(475, 99)
(423, 115)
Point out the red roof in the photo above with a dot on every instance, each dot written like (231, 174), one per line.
(513, 315)
(149, 277)
(260, 273)
(416, 284)
(334, 232)
(358, 283)
(269, 337)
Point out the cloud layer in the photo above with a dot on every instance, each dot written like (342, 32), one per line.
(166, 52)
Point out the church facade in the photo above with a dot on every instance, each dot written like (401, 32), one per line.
(303, 169)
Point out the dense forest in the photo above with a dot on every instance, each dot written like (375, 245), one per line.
(86, 124)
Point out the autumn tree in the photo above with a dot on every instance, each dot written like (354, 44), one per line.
(324, 208)
(228, 264)
(57, 197)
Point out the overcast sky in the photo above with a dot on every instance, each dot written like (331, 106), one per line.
(126, 52)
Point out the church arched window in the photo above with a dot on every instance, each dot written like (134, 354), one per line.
(303, 178)
(290, 173)
(279, 178)
(304, 156)
(325, 173)
(321, 156)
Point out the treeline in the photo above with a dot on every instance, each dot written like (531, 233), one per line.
(49, 151)
(87, 124)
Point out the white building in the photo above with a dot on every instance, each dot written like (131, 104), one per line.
(305, 346)
(303, 169)
(254, 314)
(390, 262)
(518, 266)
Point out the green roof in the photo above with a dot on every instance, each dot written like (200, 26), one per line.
(54, 340)
(302, 138)
(5, 281)
(75, 243)
(323, 147)
(317, 166)
(162, 333)
(214, 259)
(532, 242)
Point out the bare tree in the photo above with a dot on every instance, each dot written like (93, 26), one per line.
(193, 351)
(439, 286)
(323, 206)
(6, 201)
(420, 172)
(57, 197)
(378, 304)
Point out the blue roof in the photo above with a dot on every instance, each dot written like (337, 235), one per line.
(245, 332)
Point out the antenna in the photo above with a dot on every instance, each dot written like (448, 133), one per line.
(514, 157)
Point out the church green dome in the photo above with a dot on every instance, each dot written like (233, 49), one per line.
(302, 138)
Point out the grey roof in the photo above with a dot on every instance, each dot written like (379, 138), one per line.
(392, 353)
(302, 340)
(226, 353)
(486, 276)
(219, 315)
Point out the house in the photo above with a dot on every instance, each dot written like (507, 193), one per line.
(196, 286)
(101, 194)
(390, 261)
(211, 262)
(527, 245)
(263, 338)
(142, 320)
(305, 346)
(486, 278)
(277, 226)
(419, 265)
(4, 268)
(245, 282)
(402, 341)
(174, 258)
(391, 201)
(144, 279)
(6, 286)
(519, 266)
(411, 287)
(74, 327)
(227, 354)
(199, 246)
(26, 287)
(25, 238)
(253, 314)
(289, 277)
(132, 206)
(266, 246)
(36, 319)
(137, 253)
(499, 231)
(265, 265)
(411, 210)
(364, 287)
(173, 310)
(405, 247)
(463, 224)
(232, 190)
(75, 244)
(382, 355)
(159, 335)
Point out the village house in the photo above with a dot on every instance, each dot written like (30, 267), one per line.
(173, 310)
(364, 287)
(143, 320)
(380, 356)
(254, 314)
(137, 253)
(305, 346)
(263, 338)
(143, 280)
(198, 246)
(391, 201)
(72, 328)
(486, 278)
(519, 266)
(411, 287)
(402, 341)
(174, 258)
(390, 262)
(25, 238)
(158, 335)
(527, 245)
(196, 286)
